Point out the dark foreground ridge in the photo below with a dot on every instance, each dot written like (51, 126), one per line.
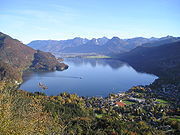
(15, 57)
(163, 60)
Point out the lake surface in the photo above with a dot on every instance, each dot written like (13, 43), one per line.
(88, 77)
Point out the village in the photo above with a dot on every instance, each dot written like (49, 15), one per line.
(141, 103)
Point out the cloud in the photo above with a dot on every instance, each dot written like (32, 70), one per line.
(52, 14)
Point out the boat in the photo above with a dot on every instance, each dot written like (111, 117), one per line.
(41, 85)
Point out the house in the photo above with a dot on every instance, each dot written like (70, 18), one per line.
(121, 104)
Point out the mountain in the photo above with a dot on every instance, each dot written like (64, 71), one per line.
(55, 45)
(162, 60)
(102, 41)
(100, 45)
(161, 41)
(91, 46)
(116, 45)
(67, 46)
(15, 57)
(46, 61)
(82, 45)
(44, 45)
(138, 41)
(15, 53)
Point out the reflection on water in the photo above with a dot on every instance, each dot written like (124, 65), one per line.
(88, 77)
(113, 63)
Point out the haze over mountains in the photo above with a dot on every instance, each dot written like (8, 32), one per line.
(100, 45)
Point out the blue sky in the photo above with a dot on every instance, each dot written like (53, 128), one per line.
(29, 20)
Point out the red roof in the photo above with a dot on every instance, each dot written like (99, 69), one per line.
(120, 104)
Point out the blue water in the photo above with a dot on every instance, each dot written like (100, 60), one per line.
(88, 77)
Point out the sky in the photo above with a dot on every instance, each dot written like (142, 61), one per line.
(28, 20)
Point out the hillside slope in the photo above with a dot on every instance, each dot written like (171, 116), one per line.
(161, 60)
(46, 61)
(15, 53)
(16, 57)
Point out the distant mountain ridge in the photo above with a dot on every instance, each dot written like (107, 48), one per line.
(100, 45)
(161, 41)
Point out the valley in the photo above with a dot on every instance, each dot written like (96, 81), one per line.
(94, 93)
(89, 67)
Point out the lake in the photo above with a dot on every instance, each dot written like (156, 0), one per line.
(87, 77)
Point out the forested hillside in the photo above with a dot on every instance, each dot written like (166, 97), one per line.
(15, 57)
(163, 60)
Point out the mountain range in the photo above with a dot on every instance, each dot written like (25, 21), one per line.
(99, 45)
